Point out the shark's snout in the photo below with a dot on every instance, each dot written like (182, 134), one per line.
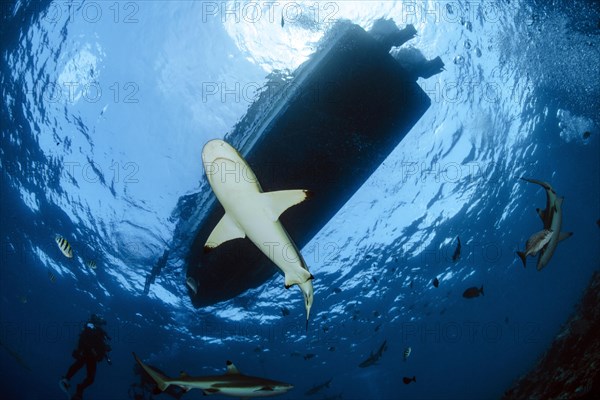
(215, 149)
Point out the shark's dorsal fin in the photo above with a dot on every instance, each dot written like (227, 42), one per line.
(227, 229)
(275, 203)
(232, 369)
(541, 213)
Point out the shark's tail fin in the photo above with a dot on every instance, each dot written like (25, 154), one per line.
(160, 379)
(522, 257)
(481, 290)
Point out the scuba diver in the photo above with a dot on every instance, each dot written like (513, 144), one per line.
(91, 349)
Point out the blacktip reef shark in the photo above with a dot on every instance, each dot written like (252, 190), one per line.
(232, 383)
(251, 212)
(551, 217)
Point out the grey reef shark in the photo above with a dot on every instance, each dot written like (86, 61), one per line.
(374, 357)
(551, 218)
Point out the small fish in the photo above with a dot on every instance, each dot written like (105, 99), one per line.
(282, 20)
(598, 223)
(411, 284)
(295, 354)
(409, 380)
(587, 134)
(535, 243)
(377, 328)
(473, 292)
(91, 264)
(337, 290)
(285, 311)
(51, 276)
(436, 282)
(376, 314)
(64, 246)
(456, 254)
(192, 284)
(309, 356)
(332, 348)
(407, 353)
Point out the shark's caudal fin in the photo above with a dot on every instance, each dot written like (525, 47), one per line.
(522, 257)
(481, 290)
(160, 379)
(545, 185)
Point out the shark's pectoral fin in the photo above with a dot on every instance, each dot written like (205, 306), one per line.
(209, 391)
(564, 235)
(227, 229)
(277, 202)
(264, 389)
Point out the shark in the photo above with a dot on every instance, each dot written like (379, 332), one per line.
(373, 358)
(317, 388)
(232, 383)
(551, 218)
(252, 213)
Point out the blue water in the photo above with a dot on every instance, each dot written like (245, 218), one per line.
(106, 107)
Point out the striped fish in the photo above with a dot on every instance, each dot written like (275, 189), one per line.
(535, 243)
(91, 264)
(51, 276)
(407, 353)
(64, 246)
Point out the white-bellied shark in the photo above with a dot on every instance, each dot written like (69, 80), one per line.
(251, 212)
(232, 383)
(552, 219)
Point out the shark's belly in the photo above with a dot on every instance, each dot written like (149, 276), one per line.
(273, 240)
(553, 242)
